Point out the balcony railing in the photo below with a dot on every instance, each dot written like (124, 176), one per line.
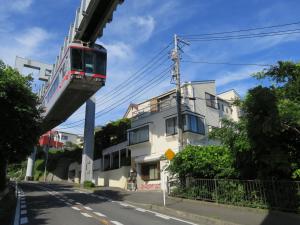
(157, 107)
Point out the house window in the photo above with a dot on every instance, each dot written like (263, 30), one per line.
(125, 159)
(210, 100)
(139, 135)
(222, 107)
(171, 126)
(115, 160)
(106, 165)
(64, 137)
(194, 124)
(150, 171)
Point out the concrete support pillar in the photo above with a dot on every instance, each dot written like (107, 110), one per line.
(30, 165)
(88, 147)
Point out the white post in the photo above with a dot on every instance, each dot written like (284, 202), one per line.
(30, 164)
(164, 183)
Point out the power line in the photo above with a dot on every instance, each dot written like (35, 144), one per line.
(141, 71)
(224, 38)
(122, 102)
(226, 63)
(113, 96)
(140, 89)
(242, 30)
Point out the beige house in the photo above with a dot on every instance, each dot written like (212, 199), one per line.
(154, 130)
(154, 126)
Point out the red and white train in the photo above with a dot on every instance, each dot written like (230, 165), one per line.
(79, 72)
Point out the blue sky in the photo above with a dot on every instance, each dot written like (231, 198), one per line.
(140, 28)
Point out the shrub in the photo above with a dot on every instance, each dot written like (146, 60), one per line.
(88, 184)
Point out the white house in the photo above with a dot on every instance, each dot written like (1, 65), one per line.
(154, 130)
(154, 126)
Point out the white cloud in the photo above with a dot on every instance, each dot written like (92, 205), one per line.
(134, 30)
(228, 77)
(25, 43)
(20, 5)
(145, 25)
(33, 37)
(119, 51)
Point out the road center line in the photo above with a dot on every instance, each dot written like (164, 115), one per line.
(87, 208)
(75, 208)
(86, 214)
(99, 214)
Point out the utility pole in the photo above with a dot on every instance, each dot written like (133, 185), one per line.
(176, 71)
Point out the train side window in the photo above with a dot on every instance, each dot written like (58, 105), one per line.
(89, 62)
(77, 59)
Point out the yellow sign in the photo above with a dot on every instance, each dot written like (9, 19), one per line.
(169, 154)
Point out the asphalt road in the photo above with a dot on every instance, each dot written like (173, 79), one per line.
(58, 204)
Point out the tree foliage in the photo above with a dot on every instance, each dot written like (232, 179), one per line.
(234, 136)
(265, 133)
(203, 162)
(20, 117)
(111, 134)
(285, 88)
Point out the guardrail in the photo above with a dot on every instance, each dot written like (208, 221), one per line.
(272, 194)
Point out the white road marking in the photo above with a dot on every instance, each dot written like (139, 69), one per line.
(78, 203)
(124, 204)
(68, 203)
(174, 218)
(86, 214)
(140, 209)
(99, 214)
(23, 206)
(24, 211)
(75, 208)
(87, 208)
(116, 223)
(162, 216)
(23, 201)
(23, 220)
(183, 221)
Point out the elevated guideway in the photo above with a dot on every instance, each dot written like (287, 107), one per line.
(78, 73)
(80, 68)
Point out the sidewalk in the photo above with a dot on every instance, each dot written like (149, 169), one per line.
(202, 212)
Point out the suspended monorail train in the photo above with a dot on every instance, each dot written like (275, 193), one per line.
(79, 72)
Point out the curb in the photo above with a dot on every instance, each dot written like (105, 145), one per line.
(172, 212)
(184, 215)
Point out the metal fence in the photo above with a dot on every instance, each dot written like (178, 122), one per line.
(283, 195)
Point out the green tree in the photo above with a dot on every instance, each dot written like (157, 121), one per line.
(203, 162)
(264, 129)
(234, 136)
(20, 118)
(113, 133)
(285, 79)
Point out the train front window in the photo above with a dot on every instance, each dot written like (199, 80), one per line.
(100, 63)
(77, 59)
(89, 61)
